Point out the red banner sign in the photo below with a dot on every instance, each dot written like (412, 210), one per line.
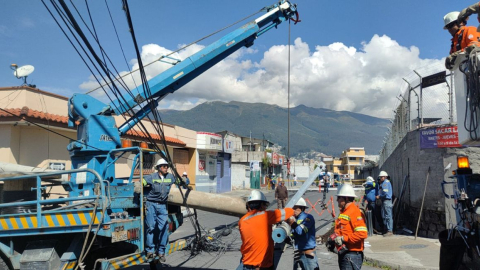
(439, 137)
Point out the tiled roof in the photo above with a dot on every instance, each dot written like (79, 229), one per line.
(27, 112)
(138, 133)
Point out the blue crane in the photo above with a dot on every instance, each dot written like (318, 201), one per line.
(111, 208)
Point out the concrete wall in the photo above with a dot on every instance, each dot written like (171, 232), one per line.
(409, 159)
(34, 99)
(302, 171)
(244, 156)
(239, 179)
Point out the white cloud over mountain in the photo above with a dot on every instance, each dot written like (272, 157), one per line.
(363, 80)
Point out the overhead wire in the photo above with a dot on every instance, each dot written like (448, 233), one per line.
(104, 74)
(184, 47)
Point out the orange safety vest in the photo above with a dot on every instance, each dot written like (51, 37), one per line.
(256, 232)
(465, 36)
(351, 226)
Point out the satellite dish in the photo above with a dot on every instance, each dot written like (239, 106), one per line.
(23, 71)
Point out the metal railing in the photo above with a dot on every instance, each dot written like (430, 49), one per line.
(424, 102)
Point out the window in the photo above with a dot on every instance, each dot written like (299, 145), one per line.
(148, 161)
(351, 158)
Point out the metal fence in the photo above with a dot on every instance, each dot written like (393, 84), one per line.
(420, 105)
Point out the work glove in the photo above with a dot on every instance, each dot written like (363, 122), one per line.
(450, 60)
(473, 9)
(339, 240)
(470, 48)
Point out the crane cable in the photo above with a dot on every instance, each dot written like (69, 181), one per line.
(178, 50)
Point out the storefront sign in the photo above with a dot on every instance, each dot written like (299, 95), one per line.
(275, 158)
(209, 141)
(255, 166)
(228, 144)
(439, 137)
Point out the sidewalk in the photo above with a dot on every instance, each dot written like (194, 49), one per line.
(402, 252)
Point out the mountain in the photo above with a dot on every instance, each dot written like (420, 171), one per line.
(321, 130)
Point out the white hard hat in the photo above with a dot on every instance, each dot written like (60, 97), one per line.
(370, 179)
(161, 162)
(449, 18)
(383, 173)
(256, 195)
(301, 202)
(184, 173)
(346, 191)
(273, 174)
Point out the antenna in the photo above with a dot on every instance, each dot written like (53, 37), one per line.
(22, 73)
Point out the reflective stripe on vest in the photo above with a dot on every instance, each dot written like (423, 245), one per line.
(254, 215)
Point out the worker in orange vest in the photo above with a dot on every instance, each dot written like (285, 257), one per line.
(350, 230)
(256, 232)
(466, 12)
(462, 36)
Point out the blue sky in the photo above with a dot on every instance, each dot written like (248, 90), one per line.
(28, 35)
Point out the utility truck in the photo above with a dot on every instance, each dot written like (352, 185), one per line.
(100, 224)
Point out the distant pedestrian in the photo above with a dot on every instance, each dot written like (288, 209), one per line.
(303, 231)
(295, 178)
(385, 194)
(281, 195)
(274, 181)
(186, 180)
(326, 182)
(350, 230)
(370, 197)
(256, 232)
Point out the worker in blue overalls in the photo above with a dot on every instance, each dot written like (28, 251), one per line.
(303, 231)
(385, 194)
(157, 186)
(370, 197)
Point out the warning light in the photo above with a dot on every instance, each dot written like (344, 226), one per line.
(462, 162)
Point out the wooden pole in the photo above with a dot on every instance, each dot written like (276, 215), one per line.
(423, 200)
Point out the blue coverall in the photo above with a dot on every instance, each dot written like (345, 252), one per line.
(157, 187)
(304, 235)
(385, 194)
(370, 194)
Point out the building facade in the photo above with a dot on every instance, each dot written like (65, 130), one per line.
(34, 132)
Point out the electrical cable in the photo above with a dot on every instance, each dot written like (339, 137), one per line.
(470, 68)
(186, 46)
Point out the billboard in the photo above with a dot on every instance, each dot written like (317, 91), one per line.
(439, 137)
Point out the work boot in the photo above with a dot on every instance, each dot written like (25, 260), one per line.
(150, 255)
(161, 258)
(388, 234)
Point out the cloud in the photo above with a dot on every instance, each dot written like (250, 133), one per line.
(363, 80)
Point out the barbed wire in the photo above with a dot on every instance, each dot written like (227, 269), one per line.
(417, 108)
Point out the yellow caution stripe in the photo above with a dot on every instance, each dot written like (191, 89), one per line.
(62, 219)
(177, 245)
(139, 258)
(69, 265)
(128, 261)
